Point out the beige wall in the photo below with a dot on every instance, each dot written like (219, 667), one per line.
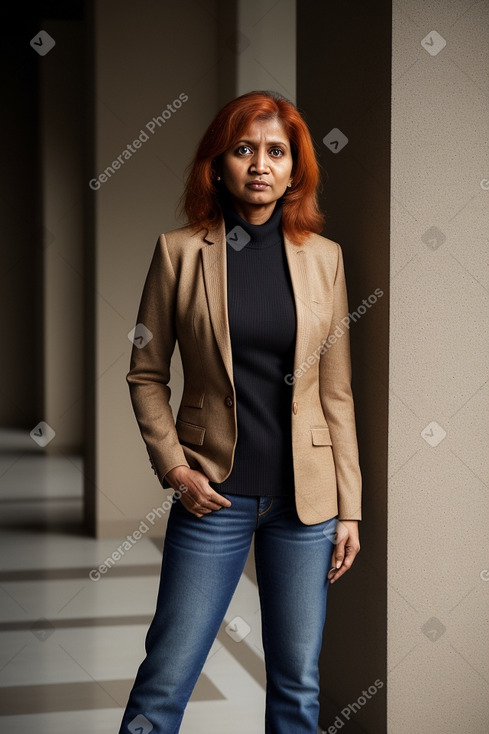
(438, 650)
(142, 62)
(267, 37)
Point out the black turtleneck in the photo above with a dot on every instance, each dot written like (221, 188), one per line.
(262, 323)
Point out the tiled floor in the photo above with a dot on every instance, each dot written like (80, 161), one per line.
(69, 646)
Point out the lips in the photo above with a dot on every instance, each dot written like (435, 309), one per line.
(258, 185)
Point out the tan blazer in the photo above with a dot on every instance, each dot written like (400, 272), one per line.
(185, 298)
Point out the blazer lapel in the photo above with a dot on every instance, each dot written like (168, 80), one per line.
(215, 280)
(297, 261)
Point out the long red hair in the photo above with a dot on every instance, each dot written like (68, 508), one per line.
(200, 198)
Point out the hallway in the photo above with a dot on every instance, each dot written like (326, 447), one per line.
(106, 103)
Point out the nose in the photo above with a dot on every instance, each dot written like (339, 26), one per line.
(258, 163)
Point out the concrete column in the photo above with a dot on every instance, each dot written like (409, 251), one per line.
(141, 63)
(438, 647)
(266, 46)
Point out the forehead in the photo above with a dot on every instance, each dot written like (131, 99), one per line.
(263, 130)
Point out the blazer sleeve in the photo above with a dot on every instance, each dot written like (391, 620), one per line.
(149, 373)
(337, 401)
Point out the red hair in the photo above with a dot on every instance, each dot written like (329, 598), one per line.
(200, 199)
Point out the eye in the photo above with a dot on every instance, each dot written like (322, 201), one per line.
(242, 150)
(277, 152)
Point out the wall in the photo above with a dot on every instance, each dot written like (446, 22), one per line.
(438, 657)
(141, 63)
(266, 57)
(62, 149)
(21, 374)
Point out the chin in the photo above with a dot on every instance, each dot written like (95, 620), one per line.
(259, 197)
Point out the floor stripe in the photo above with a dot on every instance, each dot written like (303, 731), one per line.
(56, 574)
(87, 695)
(25, 500)
(245, 656)
(36, 624)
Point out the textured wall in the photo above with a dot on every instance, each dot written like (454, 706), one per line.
(438, 584)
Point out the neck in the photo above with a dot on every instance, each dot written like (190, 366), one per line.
(265, 234)
(252, 213)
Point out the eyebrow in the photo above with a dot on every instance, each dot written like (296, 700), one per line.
(272, 142)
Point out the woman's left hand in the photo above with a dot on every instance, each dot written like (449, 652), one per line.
(345, 550)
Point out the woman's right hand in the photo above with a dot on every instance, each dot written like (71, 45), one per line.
(197, 496)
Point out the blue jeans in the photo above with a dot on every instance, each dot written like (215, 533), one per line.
(203, 559)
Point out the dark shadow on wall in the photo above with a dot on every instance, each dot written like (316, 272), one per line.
(344, 91)
(21, 373)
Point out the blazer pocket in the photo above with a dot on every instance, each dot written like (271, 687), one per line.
(321, 305)
(189, 432)
(321, 436)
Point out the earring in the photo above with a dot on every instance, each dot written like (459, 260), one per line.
(289, 184)
(218, 178)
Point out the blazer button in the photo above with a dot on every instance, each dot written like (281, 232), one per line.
(294, 407)
(229, 401)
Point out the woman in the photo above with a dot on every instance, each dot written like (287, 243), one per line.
(264, 441)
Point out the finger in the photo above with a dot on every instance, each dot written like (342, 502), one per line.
(192, 504)
(338, 572)
(335, 573)
(333, 558)
(200, 506)
(203, 500)
(339, 554)
(210, 505)
(201, 491)
(217, 499)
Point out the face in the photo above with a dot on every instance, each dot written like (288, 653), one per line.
(257, 169)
